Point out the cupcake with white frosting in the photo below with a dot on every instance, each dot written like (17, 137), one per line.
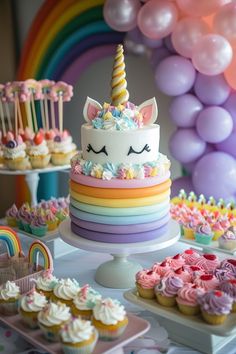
(65, 291)
(46, 283)
(78, 337)
(63, 149)
(9, 298)
(84, 302)
(38, 151)
(30, 305)
(51, 319)
(109, 318)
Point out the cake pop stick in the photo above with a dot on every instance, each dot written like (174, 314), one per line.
(12, 92)
(19, 113)
(8, 115)
(119, 93)
(5, 105)
(2, 120)
(35, 93)
(53, 119)
(43, 115)
(46, 89)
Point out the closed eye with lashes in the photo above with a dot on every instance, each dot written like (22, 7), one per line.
(103, 150)
(145, 148)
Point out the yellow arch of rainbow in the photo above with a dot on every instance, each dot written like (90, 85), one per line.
(11, 239)
(37, 248)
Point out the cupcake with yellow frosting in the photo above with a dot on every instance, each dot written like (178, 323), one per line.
(30, 305)
(9, 298)
(46, 283)
(78, 337)
(65, 291)
(109, 318)
(51, 319)
(84, 302)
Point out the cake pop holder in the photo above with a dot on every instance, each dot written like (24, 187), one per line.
(119, 273)
(188, 330)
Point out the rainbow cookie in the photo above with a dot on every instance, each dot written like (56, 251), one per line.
(11, 239)
(36, 248)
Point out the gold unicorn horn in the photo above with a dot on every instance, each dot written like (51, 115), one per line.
(119, 93)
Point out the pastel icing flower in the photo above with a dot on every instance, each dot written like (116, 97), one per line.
(87, 167)
(110, 167)
(130, 173)
(97, 171)
(154, 172)
(107, 175)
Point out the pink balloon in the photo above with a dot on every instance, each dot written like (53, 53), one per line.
(157, 18)
(224, 22)
(184, 182)
(199, 8)
(229, 73)
(212, 54)
(186, 34)
(121, 15)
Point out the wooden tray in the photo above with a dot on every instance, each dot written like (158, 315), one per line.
(136, 327)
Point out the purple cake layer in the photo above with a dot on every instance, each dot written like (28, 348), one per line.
(120, 229)
(118, 238)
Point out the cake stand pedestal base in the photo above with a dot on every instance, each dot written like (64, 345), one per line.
(111, 274)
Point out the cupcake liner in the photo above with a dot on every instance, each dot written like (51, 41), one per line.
(11, 221)
(52, 225)
(8, 308)
(188, 310)
(52, 333)
(110, 335)
(38, 231)
(188, 233)
(29, 318)
(59, 159)
(84, 314)
(227, 245)
(217, 234)
(213, 319)
(46, 293)
(54, 298)
(234, 307)
(17, 164)
(203, 239)
(26, 226)
(41, 161)
(145, 293)
(81, 349)
(167, 301)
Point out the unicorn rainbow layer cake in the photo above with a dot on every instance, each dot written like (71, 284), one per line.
(120, 182)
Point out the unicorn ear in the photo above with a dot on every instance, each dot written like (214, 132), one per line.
(91, 108)
(149, 111)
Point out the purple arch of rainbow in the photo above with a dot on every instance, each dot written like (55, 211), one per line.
(11, 239)
(36, 248)
(65, 37)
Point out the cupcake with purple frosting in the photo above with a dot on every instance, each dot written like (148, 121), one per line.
(25, 208)
(229, 287)
(11, 215)
(38, 226)
(229, 263)
(166, 291)
(203, 234)
(228, 240)
(215, 306)
(223, 274)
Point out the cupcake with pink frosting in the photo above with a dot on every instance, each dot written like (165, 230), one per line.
(207, 282)
(209, 262)
(194, 270)
(215, 306)
(183, 274)
(11, 216)
(175, 262)
(161, 268)
(187, 299)
(229, 287)
(228, 240)
(190, 256)
(203, 234)
(218, 230)
(166, 291)
(14, 153)
(146, 280)
(51, 220)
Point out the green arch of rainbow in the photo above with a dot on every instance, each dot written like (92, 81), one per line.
(36, 248)
(64, 38)
(11, 239)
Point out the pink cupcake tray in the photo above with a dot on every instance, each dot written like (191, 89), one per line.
(136, 327)
(212, 247)
(189, 330)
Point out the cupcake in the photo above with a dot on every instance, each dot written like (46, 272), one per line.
(194, 271)
(63, 149)
(228, 240)
(229, 287)
(30, 305)
(51, 220)
(14, 153)
(223, 274)
(9, 298)
(203, 234)
(229, 263)
(65, 291)
(209, 262)
(190, 256)
(161, 268)
(61, 215)
(25, 208)
(146, 280)
(187, 299)
(215, 306)
(207, 282)
(46, 283)
(38, 152)
(49, 137)
(78, 336)
(26, 219)
(84, 302)
(38, 226)
(109, 318)
(11, 215)
(51, 319)
(166, 291)
(188, 230)
(183, 274)
(175, 262)
(218, 230)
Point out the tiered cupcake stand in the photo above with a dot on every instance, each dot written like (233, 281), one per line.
(57, 247)
(119, 273)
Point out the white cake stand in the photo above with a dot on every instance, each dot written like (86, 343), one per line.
(119, 273)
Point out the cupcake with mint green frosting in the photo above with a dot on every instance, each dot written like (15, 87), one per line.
(84, 302)
(203, 234)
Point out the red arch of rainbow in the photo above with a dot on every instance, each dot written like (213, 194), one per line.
(65, 37)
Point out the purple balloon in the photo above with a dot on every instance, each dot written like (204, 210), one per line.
(169, 45)
(184, 110)
(186, 145)
(211, 90)
(215, 174)
(230, 106)
(214, 124)
(158, 55)
(184, 182)
(152, 43)
(228, 145)
(189, 167)
(175, 75)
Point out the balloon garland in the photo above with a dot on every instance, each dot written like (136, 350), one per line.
(191, 46)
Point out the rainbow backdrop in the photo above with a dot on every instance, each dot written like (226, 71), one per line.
(65, 37)
(36, 248)
(11, 239)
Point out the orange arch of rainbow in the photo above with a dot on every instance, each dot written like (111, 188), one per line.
(11, 239)
(37, 248)
(65, 37)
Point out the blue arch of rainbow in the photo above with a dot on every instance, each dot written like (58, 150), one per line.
(65, 37)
